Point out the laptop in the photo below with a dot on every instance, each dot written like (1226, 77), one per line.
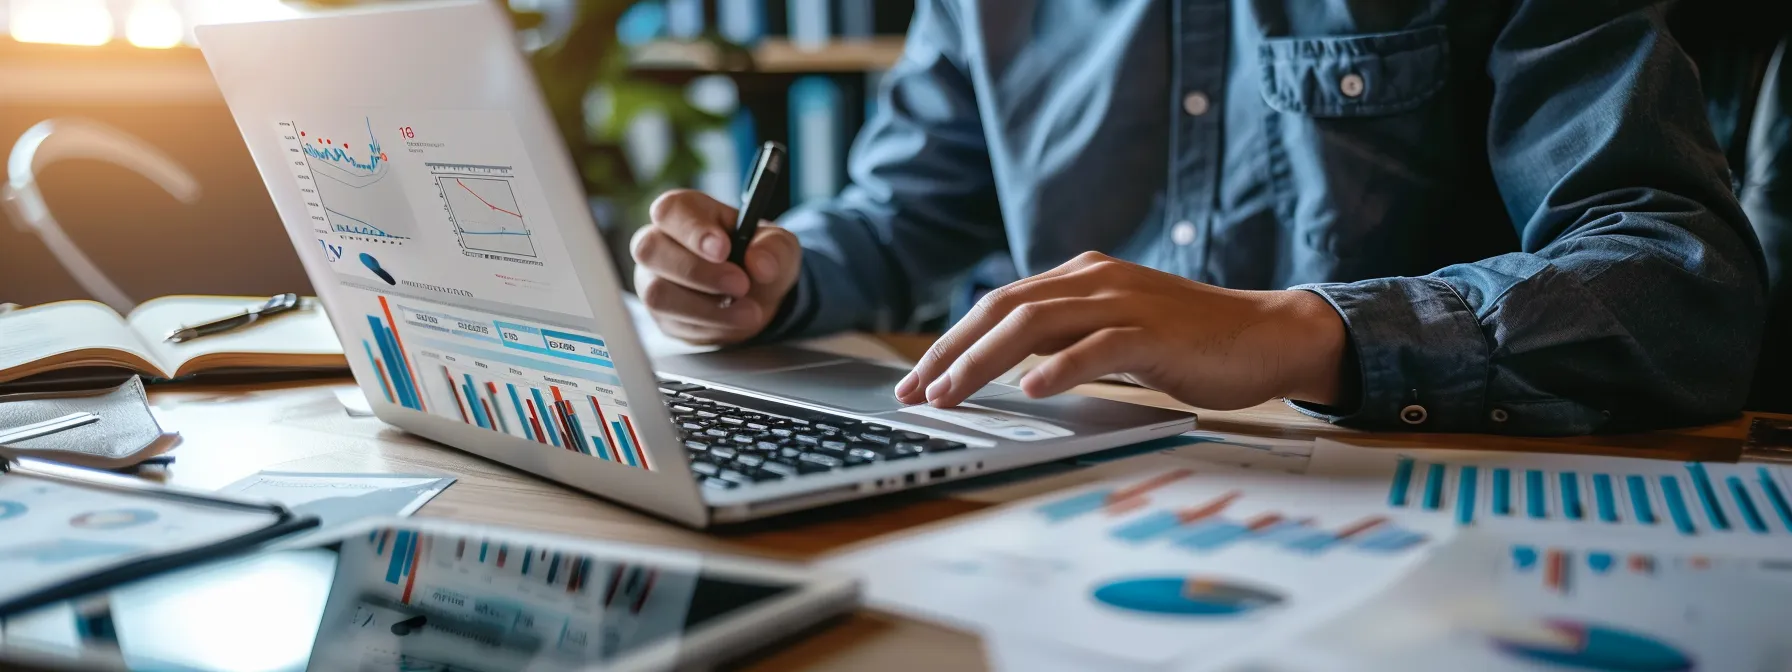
(442, 223)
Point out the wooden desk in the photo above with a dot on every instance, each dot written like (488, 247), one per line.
(231, 432)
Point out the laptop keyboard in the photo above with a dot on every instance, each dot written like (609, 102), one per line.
(735, 440)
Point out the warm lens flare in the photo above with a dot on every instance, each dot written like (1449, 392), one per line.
(77, 22)
(154, 24)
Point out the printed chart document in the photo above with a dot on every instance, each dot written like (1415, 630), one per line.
(1145, 567)
(51, 532)
(1703, 507)
(1488, 602)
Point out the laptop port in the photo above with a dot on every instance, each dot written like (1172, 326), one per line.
(937, 473)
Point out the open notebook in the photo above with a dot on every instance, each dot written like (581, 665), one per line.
(87, 339)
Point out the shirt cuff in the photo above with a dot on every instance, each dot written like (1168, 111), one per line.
(1424, 359)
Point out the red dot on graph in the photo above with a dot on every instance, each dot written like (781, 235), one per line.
(301, 134)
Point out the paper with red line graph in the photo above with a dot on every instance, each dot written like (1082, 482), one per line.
(489, 605)
(1142, 568)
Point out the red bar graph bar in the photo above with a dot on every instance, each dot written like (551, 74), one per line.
(454, 390)
(535, 421)
(488, 413)
(1262, 521)
(1555, 571)
(1642, 564)
(406, 358)
(1209, 509)
(1360, 527)
(603, 426)
(1139, 490)
(635, 442)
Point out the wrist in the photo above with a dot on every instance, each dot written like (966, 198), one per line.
(1319, 346)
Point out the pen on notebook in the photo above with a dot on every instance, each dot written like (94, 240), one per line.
(274, 306)
(768, 166)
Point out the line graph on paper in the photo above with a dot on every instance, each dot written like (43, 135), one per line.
(348, 183)
(484, 209)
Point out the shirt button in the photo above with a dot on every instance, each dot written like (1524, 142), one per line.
(1414, 415)
(1351, 85)
(1183, 233)
(1195, 104)
(1498, 415)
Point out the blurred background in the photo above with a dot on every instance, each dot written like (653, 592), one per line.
(650, 95)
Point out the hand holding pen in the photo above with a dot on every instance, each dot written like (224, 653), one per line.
(684, 273)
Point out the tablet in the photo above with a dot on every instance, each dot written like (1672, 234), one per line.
(426, 595)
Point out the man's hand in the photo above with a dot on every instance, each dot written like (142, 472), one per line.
(1206, 346)
(682, 270)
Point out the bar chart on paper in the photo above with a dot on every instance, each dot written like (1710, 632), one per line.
(1688, 499)
(1209, 525)
(554, 387)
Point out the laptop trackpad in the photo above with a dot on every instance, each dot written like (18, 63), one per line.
(859, 387)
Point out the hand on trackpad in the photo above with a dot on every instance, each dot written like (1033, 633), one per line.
(855, 386)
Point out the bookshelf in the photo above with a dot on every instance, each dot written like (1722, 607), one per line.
(773, 55)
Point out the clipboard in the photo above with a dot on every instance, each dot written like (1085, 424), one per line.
(101, 573)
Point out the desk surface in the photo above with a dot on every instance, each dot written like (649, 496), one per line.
(233, 431)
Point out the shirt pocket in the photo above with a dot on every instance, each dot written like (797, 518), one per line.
(1359, 152)
(1359, 75)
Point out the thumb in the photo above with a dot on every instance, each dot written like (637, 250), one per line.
(773, 261)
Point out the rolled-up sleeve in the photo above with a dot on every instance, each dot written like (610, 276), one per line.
(1638, 298)
(921, 209)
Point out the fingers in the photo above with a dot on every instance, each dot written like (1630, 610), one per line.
(670, 300)
(1075, 278)
(695, 221)
(772, 261)
(659, 253)
(1031, 328)
(1111, 350)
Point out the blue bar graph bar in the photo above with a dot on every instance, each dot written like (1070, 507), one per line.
(522, 416)
(483, 545)
(395, 369)
(1313, 542)
(1465, 495)
(1277, 532)
(472, 392)
(547, 418)
(1502, 492)
(1148, 527)
(1402, 482)
(1213, 536)
(1065, 509)
(1534, 494)
(1639, 499)
(1571, 495)
(528, 556)
(1434, 486)
(622, 444)
(579, 430)
(1670, 491)
(1776, 497)
(601, 452)
(1701, 484)
(553, 568)
(1604, 498)
(410, 548)
(1390, 539)
(400, 554)
(384, 389)
(1751, 515)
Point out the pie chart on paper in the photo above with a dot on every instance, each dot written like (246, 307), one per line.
(11, 509)
(1585, 646)
(113, 519)
(1184, 596)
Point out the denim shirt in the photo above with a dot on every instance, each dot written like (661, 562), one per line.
(1518, 208)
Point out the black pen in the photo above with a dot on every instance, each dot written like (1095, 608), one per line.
(767, 168)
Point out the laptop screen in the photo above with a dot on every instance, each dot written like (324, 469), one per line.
(463, 297)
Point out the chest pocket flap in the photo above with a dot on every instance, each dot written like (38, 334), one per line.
(1357, 75)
